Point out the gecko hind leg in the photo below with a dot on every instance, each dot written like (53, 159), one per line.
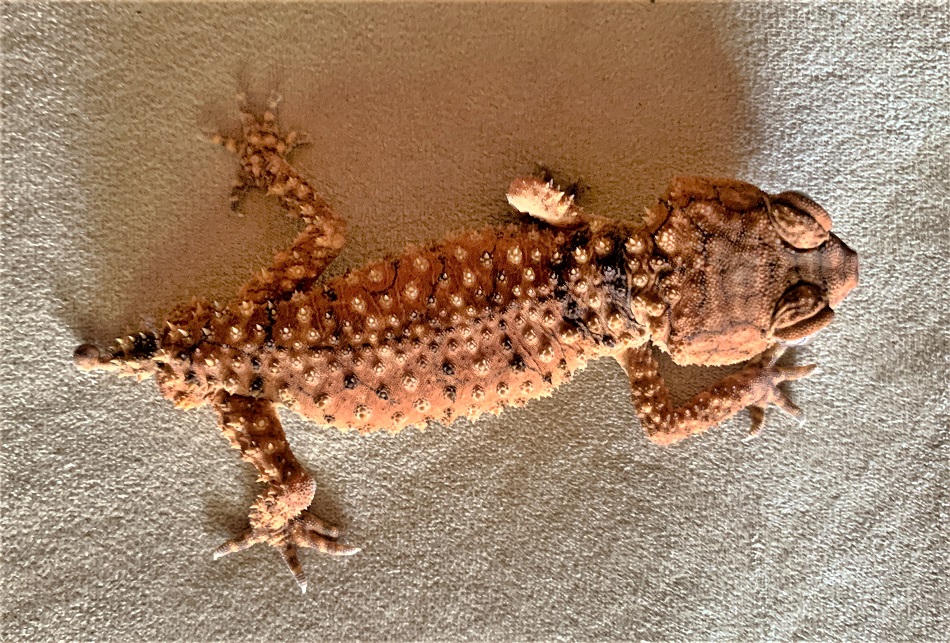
(262, 151)
(279, 517)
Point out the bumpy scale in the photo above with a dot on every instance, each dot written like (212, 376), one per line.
(719, 272)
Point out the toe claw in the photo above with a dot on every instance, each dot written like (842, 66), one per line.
(348, 550)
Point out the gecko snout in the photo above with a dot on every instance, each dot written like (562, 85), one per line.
(841, 269)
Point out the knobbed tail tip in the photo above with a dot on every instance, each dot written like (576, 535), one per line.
(87, 357)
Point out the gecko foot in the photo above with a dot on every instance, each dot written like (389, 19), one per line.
(769, 378)
(260, 144)
(305, 530)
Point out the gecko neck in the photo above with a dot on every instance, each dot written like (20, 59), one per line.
(644, 264)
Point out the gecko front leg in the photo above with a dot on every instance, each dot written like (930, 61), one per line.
(755, 386)
(279, 516)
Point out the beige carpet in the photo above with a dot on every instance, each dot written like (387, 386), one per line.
(558, 521)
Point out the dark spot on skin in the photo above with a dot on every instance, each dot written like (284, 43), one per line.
(382, 393)
(579, 239)
(547, 378)
(609, 341)
(269, 344)
(562, 364)
(257, 385)
(448, 369)
(329, 418)
(349, 382)
(255, 363)
(506, 342)
(517, 364)
(191, 377)
(450, 392)
(330, 294)
(502, 324)
(144, 346)
(182, 356)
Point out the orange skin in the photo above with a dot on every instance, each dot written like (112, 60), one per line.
(719, 272)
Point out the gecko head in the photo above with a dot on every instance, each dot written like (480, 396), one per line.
(743, 270)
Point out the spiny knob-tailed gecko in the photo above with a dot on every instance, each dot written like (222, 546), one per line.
(718, 272)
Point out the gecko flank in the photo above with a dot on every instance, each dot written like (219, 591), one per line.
(718, 272)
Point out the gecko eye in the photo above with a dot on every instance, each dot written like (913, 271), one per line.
(800, 222)
(802, 311)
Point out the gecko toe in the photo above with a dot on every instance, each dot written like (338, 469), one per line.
(289, 553)
(757, 415)
(313, 523)
(306, 530)
(790, 373)
(782, 401)
(248, 538)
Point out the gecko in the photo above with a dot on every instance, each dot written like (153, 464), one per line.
(716, 272)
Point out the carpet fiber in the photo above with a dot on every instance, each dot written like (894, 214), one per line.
(556, 521)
